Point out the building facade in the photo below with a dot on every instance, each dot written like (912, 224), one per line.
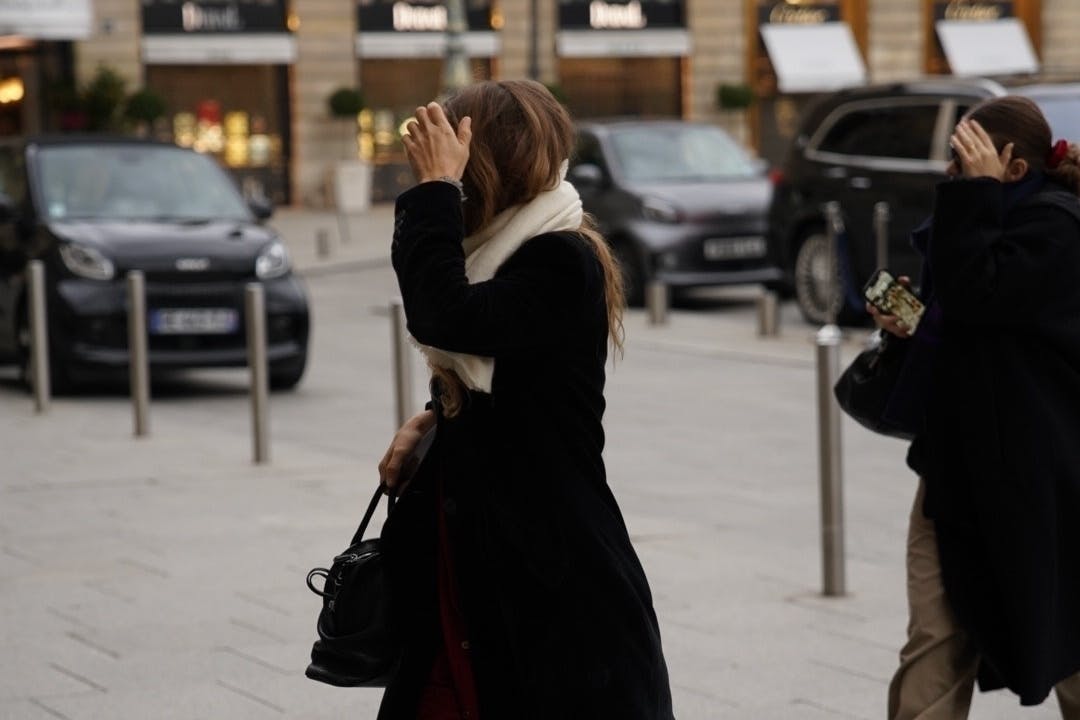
(248, 80)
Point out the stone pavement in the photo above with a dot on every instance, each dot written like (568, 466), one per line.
(163, 577)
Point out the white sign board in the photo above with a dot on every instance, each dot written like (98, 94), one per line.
(813, 58)
(997, 47)
(46, 19)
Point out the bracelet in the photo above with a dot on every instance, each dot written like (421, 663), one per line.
(456, 183)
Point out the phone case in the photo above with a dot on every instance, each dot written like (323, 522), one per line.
(892, 298)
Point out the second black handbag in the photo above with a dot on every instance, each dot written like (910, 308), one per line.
(866, 390)
(357, 645)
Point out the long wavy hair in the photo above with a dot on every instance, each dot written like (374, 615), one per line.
(521, 136)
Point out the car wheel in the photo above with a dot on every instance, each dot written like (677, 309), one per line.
(816, 291)
(59, 379)
(287, 375)
(633, 273)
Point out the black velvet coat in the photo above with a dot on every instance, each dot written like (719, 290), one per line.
(560, 616)
(1001, 453)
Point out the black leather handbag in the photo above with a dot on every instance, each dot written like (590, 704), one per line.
(357, 645)
(866, 390)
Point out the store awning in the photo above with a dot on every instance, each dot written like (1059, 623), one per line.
(222, 49)
(813, 58)
(997, 47)
(479, 44)
(622, 43)
(46, 19)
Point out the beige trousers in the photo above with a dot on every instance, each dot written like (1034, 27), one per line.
(936, 677)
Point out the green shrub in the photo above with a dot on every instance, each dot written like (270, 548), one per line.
(345, 102)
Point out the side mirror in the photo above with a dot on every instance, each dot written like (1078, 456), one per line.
(8, 209)
(262, 208)
(586, 177)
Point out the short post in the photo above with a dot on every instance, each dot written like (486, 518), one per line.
(138, 354)
(656, 302)
(768, 312)
(322, 243)
(830, 461)
(881, 233)
(255, 312)
(39, 337)
(399, 342)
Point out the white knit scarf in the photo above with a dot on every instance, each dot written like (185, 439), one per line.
(487, 249)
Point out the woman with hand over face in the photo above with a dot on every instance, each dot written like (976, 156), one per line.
(994, 542)
(512, 571)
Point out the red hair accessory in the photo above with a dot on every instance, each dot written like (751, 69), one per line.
(1057, 154)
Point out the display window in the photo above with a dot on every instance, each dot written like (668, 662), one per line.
(236, 113)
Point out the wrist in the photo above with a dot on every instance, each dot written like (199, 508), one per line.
(449, 180)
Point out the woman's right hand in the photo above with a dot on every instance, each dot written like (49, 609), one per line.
(401, 447)
(891, 323)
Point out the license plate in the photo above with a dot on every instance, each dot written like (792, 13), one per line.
(736, 248)
(195, 321)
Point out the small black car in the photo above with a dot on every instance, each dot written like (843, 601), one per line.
(679, 202)
(92, 208)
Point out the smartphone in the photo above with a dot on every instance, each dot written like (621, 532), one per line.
(891, 298)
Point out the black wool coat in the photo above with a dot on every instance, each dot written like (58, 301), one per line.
(1001, 452)
(559, 614)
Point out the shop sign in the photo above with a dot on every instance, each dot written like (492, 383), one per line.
(47, 19)
(418, 15)
(621, 14)
(973, 10)
(798, 13)
(200, 17)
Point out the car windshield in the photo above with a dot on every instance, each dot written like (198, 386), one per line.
(134, 182)
(679, 154)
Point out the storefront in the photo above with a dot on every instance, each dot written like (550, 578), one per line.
(400, 45)
(223, 68)
(982, 37)
(36, 61)
(795, 50)
(623, 57)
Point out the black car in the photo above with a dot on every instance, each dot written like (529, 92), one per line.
(93, 208)
(679, 202)
(862, 146)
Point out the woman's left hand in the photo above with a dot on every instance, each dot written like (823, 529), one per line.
(434, 150)
(976, 153)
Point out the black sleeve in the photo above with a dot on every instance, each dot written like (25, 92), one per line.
(532, 300)
(989, 269)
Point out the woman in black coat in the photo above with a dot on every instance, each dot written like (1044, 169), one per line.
(512, 570)
(994, 543)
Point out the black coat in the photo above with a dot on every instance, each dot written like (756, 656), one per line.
(1001, 453)
(559, 613)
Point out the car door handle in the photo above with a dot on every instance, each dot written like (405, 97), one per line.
(835, 173)
(860, 183)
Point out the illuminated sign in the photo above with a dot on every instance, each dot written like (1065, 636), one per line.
(621, 14)
(207, 17)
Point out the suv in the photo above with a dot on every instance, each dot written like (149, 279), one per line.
(862, 146)
(859, 147)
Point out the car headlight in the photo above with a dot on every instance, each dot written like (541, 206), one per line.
(86, 262)
(272, 262)
(660, 210)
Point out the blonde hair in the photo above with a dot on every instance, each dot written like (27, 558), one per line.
(521, 136)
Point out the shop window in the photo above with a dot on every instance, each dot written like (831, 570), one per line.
(12, 174)
(606, 87)
(904, 132)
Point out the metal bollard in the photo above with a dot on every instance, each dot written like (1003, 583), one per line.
(830, 461)
(399, 341)
(656, 302)
(39, 336)
(255, 312)
(834, 227)
(768, 314)
(881, 233)
(138, 354)
(322, 243)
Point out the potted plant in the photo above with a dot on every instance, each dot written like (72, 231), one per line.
(734, 96)
(143, 108)
(351, 176)
(103, 99)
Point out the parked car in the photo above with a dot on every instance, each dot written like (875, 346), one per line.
(862, 146)
(679, 202)
(92, 208)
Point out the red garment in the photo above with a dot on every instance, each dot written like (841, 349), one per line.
(450, 693)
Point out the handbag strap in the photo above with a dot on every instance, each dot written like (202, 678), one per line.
(379, 492)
